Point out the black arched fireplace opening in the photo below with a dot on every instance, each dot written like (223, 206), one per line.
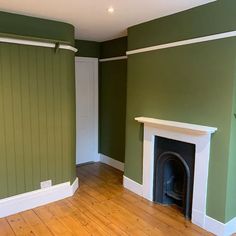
(174, 173)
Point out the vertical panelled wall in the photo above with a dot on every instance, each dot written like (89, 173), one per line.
(37, 117)
(192, 83)
(37, 106)
(112, 99)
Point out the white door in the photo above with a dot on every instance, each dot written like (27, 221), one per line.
(86, 74)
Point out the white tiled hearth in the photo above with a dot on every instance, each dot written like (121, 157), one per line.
(189, 133)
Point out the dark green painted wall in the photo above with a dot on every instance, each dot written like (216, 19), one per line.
(231, 187)
(192, 83)
(32, 27)
(217, 17)
(113, 48)
(37, 106)
(87, 48)
(112, 104)
(112, 100)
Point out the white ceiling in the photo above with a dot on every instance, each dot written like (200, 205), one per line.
(90, 17)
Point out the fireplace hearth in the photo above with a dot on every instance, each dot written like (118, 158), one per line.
(174, 173)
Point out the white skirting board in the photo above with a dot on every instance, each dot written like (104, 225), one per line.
(133, 186)
(29, 200)
(220, 229)
(112, 162)
(211, 225)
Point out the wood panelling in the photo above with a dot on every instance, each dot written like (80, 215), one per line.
(37, 117)
(101, 206)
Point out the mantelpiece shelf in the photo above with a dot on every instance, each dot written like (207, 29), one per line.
(198, 129)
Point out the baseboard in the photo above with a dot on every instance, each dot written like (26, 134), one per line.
(112, 162)
(214, 226)
(29, 200)
(133, 186)
(198, 218)
(85, 163)
(209, 224)
(218, 228)
(231, 227)
(74, 186)
(97, 158)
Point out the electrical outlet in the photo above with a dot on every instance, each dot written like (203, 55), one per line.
(46, 184)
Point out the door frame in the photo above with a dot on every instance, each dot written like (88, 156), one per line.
(95, 71)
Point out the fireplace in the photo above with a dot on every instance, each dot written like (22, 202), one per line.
(199, 137)
(174, 173)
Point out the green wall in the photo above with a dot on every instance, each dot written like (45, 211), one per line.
(112, 103)
(231, 187)
(192, 83)
(112, 99)
(113, 48)
(37, 116)
(204, 20)
(87, 48)
(35, 28)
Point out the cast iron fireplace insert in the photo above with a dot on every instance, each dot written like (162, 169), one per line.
(174, 173)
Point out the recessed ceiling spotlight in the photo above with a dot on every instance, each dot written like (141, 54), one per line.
(110, 10)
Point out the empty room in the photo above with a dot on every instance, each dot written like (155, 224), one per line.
(118, 117)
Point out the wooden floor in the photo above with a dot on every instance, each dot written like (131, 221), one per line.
(101, 206)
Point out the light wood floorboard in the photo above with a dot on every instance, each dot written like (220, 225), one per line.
(101, 206)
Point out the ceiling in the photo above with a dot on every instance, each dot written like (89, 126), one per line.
(91, 18)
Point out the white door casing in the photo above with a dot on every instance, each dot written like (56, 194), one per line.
(86, 74)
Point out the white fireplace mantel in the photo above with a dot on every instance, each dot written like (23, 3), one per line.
(198, 135)
(185, 127)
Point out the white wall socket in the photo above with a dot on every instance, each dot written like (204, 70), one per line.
(46, 184)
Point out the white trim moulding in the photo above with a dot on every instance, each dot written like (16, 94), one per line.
(112, 162)
(184, 42)
(113, 59)
(198, 129)
(36, 43)
(133, 186)
(29, 200)
(220, 229)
